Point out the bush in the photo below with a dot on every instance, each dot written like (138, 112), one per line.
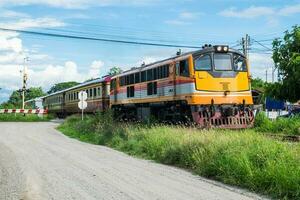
(289, 126)
(22, 118)
(241, 158)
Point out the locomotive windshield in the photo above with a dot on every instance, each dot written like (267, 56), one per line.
(203, 62)
(220, 62)
(239, 63)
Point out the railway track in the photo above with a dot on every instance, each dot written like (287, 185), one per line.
(289, 138)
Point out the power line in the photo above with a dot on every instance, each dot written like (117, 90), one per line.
(125, 36)
(118, 29)
(90, 34)
(262, 45)
(98, 39)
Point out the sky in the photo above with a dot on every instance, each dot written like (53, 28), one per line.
(182, 22)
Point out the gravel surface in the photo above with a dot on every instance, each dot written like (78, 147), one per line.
(38, 162)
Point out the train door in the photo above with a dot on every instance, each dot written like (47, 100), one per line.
(104, 96)
(182, 76)
(172, 78)
(114, 90)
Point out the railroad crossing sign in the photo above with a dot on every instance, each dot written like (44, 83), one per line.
(82, 104)
(82, 95)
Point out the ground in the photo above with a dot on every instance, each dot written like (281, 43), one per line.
(38, 162)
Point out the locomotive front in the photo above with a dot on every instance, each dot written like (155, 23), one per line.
(222, 94)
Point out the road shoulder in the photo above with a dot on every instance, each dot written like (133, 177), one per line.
(12, 181)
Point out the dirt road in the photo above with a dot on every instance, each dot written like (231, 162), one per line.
(38, 162)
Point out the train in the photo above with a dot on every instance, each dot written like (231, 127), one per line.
(210, 87)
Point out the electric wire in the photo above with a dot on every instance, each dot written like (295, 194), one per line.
(98, 39)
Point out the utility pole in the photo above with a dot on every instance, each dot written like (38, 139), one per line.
(245, 45)
(266, 75)
(25, 77)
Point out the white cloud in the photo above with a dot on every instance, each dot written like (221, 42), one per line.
(12, 53)
(44, 22)
(176, 22)
(10, 43)
(259, 63)
(148, 60)
(251, 12)
(189, 15)
(53, 74)
(95, 68)
(12, 14)
(260, 11)
(77, 4)
(184, 18)
(11, 78)
(10, 58)
(289, 10)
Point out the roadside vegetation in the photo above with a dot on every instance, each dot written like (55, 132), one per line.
(285, 126)
(22, 118)
(242, 158)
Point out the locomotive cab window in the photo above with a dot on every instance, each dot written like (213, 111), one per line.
(203, 62)
(239, 63)
(222, 62)
(184, 68)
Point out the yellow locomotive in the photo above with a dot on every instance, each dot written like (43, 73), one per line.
(210, 87)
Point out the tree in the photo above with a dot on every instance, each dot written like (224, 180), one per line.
(62, 86)
(258, 84)
(15, 99)
(286, 55)
(114, 71)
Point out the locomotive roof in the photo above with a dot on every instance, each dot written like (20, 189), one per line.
(165, 61)
(99, 80)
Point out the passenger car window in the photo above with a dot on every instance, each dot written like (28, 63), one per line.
(149, 75)
(152, 88)
(203, 62)
(130, 91)
(222, 62)
(137, 77)
(239, 63)
(143, 76)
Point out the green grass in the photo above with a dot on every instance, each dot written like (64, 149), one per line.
(288, 126)
(242, 158)
(22, 118)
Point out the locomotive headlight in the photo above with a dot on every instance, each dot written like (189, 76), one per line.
(221, 48)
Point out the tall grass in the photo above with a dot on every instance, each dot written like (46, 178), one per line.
(289, 126)
(22, 118)
(242, 158)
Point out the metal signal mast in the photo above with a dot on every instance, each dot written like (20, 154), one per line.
(25, 77)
